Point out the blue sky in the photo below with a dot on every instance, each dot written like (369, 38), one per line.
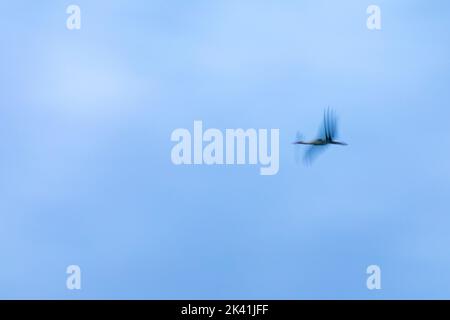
(86, 175)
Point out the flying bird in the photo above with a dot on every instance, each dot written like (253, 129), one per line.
(327, 136)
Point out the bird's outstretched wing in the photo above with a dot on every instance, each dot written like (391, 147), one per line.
(312, 152)
(331, 123)
(327, 132)
(328, 129)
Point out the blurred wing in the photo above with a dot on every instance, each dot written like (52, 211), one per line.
(312, 153)
(328, 129)
(324, 130)
(323, 133)
(331, 123)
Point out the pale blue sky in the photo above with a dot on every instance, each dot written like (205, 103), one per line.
(86, 176)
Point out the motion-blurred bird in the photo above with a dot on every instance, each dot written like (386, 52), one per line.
(327, 135)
